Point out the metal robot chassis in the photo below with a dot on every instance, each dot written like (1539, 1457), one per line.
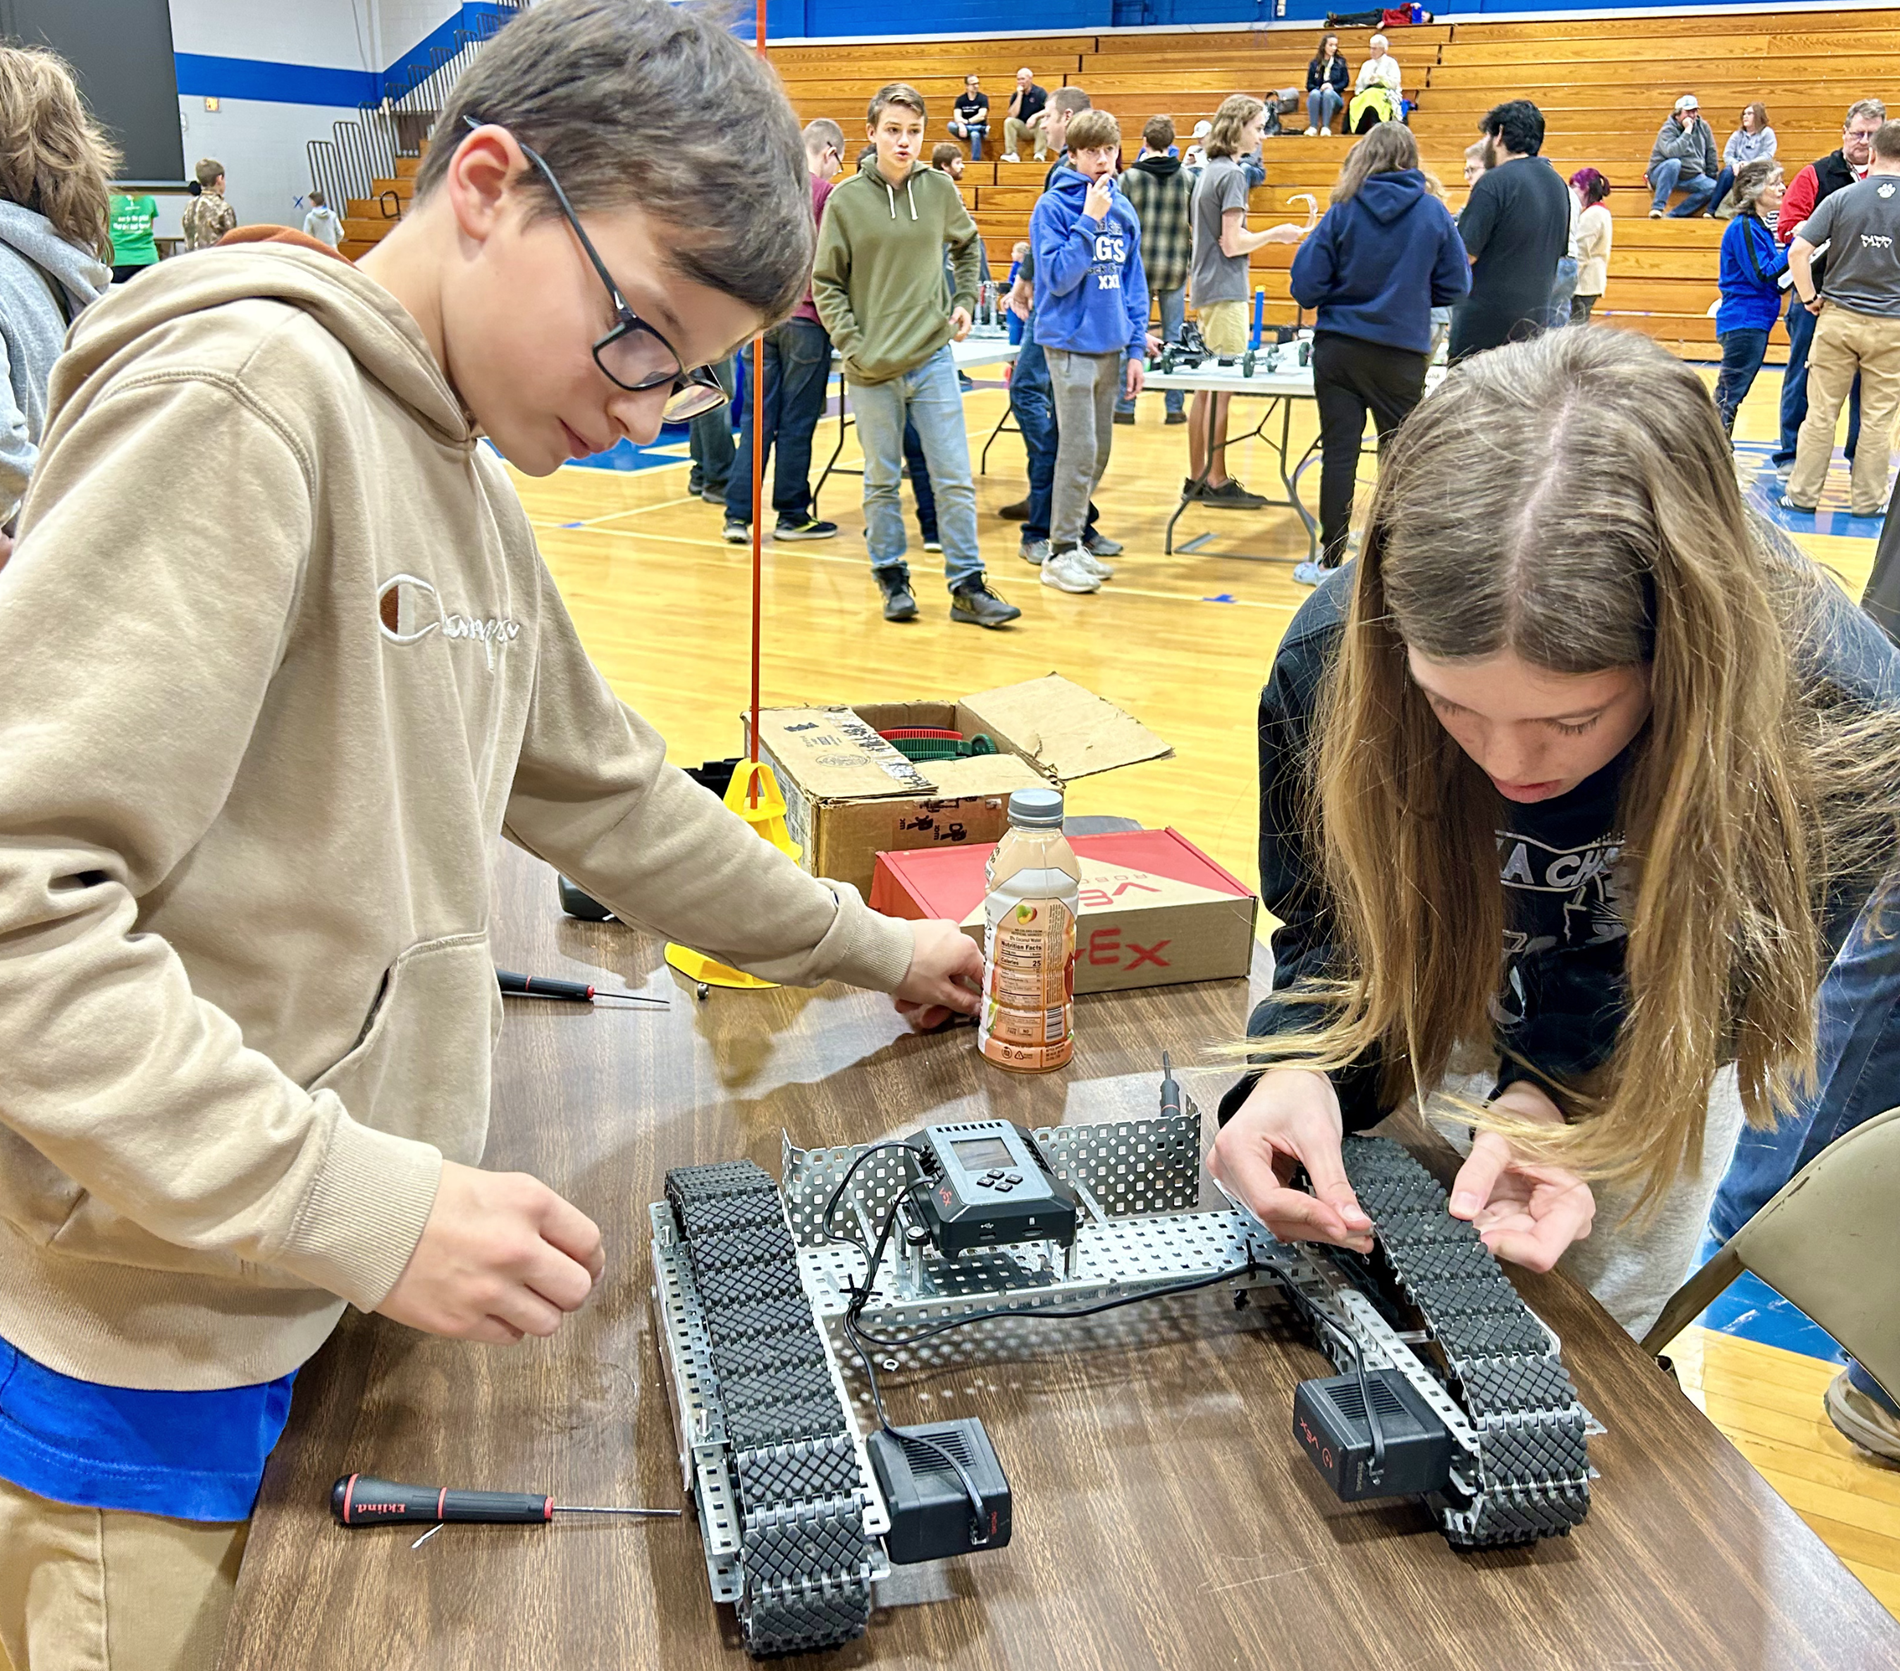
(750, 1297)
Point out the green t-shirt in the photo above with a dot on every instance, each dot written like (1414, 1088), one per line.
(132, 219)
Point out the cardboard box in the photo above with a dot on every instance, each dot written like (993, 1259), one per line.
(850, 795)
(1156, 910)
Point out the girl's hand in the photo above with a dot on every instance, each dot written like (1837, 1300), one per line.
(1525, 1213)
(1291, 1119)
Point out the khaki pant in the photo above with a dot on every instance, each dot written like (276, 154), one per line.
(1845, 343)
(1015, 131)
(105, 1590)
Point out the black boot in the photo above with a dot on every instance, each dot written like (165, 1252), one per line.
(973, 603)
(899, 605)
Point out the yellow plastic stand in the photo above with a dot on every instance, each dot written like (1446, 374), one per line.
(766, 815)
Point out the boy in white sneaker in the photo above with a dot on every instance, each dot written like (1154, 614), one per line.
(1091, 308)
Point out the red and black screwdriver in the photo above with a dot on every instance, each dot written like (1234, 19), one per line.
(571, 992)
(363, 1500)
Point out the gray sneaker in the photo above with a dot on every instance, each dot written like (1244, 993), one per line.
(1035, 551)
(1100, 545)
(1071, 571)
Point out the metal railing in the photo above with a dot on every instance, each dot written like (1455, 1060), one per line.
(346, 166)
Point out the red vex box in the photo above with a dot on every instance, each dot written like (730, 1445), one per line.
(1156, 910)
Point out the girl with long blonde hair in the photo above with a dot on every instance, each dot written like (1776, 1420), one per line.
(1570, 788)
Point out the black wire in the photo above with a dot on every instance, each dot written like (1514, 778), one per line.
(978, 1504)
(922, 1155)
(1229, 1275)
(874, 1256)
(1376, 1470)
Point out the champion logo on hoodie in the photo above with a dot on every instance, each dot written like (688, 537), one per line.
(423, 613)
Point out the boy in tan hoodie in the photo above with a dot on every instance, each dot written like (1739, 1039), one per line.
(253, 767)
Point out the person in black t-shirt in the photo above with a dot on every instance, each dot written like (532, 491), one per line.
(970, 117)
(1021, 120)
(1542, 791)
(1516, 227)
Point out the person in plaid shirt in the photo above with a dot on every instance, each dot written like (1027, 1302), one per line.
(1159, 192)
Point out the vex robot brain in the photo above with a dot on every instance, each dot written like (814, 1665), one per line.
(874, 1257)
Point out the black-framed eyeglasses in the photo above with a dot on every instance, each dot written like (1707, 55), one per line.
(634, 355)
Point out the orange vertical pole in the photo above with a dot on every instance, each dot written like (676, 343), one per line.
(758, 488)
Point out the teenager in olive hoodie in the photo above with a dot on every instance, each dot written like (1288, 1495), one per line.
(878, 285)
(253, 765)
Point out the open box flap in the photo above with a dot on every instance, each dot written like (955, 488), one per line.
(1068, 732)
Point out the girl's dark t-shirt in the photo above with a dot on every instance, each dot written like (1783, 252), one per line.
(1564, 991)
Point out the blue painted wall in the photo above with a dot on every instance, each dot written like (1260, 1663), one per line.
(200, 74)
(822, 18)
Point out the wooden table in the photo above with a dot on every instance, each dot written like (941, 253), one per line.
(1164, 1516)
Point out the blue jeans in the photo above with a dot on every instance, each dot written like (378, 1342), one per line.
(974, 133)
(1742, 353)
(1562, 288)
(1794, 386)
(1857, 1067)
(797, 368)
(928, 397)
(1322, 105)
(709, 440)
(1722, 183)
(919, 468)
(1698, 189)
(1173, 305)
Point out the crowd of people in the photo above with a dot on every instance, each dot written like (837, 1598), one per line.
(1528, 251)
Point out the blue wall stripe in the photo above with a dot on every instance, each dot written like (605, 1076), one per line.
(255, 78)
(201, 75)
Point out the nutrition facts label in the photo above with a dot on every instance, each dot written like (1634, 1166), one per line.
(1029, 994)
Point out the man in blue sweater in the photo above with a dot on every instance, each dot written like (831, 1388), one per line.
(1092, 305)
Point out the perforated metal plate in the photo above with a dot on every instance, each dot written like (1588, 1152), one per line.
(1130, 1167)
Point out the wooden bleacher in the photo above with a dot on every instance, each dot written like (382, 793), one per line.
(1604, 85)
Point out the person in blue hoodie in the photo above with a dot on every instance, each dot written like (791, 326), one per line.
(1091, 307)
(1385, 254)
(1752, 263)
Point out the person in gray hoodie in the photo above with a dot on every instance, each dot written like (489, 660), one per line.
(54, 190)
(1683, 159)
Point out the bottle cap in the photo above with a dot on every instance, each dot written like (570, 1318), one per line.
(1036, 809)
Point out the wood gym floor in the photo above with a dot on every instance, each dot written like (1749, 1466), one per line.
(1181, 642)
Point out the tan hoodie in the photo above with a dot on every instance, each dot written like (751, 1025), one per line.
(280, 662)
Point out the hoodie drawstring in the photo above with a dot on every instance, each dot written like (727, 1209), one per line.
(891, 198)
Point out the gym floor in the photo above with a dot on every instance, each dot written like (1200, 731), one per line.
(1183, 642)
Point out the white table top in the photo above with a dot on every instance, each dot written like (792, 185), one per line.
(975, 351)
(1292, 382)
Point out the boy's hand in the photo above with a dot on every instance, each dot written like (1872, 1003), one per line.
(502, 1256)
(1286, 233)
(959, 324)
(1135, 376)
(946, 974)
(1101, 195)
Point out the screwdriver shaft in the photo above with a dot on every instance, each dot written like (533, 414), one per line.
(581, 1508)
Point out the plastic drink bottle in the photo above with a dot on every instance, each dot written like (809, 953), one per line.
(1034, 892)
